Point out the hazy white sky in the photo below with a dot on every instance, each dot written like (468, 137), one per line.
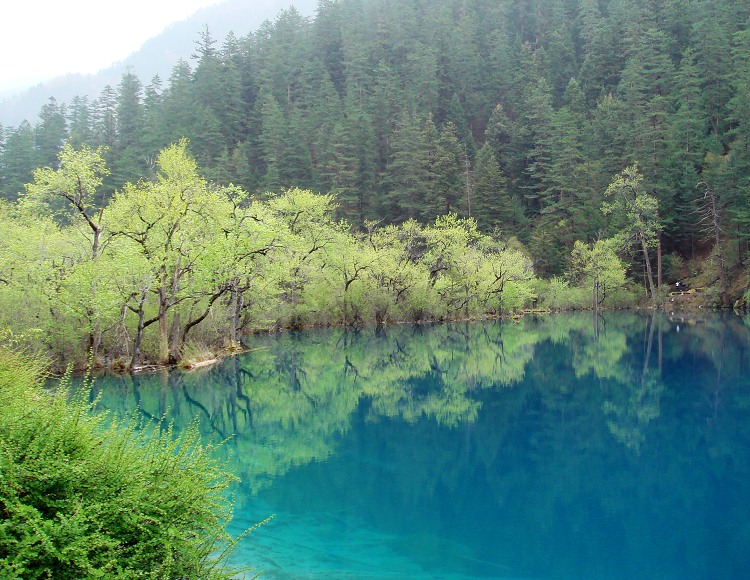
(42, 39)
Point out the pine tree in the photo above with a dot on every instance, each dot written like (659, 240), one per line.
(738, 198)
(588, 22)
(448, 191)
(490, 203)
(206, 138)
(420, 77)
(687, 143)
(507, 138)
(384, 107)
(129, 111)
(561, 55)
(80, 122)
(296, 157)
(603, 63)
(538, 117)
(231, 106)
(18, 161)
(274, 131)
(328, 41)
(409, 174)
(714, 62)
(318, 108)
(178, 115)
(50, 132)
(131, 157)
(105, 118)
(350, 169)
(153, 113)
(645, 87)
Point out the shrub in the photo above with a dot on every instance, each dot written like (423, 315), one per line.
(557, 294)
(672, 267)
(86, 496)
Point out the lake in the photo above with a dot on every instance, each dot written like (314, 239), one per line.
(551, 447)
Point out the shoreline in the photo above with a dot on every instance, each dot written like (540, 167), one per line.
(216, 356)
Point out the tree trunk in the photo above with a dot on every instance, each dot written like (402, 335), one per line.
(95, 244)
(163, 330)
(715, 227)
(649, 274)
(595, 296)
(136, 361)
(175, 345)
(234, 312)
(658, 263)
(95, 339)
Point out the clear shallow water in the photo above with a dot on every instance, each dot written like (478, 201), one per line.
(540, 449)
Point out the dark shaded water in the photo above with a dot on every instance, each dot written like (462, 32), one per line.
(539, 449)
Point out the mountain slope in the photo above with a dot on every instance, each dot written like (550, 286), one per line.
(157, 55)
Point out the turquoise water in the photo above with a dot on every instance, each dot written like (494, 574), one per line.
(547, 448)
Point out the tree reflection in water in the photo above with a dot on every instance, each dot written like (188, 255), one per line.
(553, 434)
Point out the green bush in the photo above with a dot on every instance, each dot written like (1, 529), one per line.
(85, 496)
(672, 267)
(557, 294)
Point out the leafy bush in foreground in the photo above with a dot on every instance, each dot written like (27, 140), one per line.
(84, 496)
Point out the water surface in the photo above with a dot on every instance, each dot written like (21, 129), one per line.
(552, 447)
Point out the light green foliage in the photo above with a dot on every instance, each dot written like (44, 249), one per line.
(82, 297)
(172, 221)
(633, 410)
(557, 294)
(470, 273)
(307, 231)
(33, 255)
(239, 260)
(184, 259)
(399, 289)
(598, 266)
(86, 496)
(295, 396)
(602, 353)
(510, 278)
(636, 213)
(71, 187)
(449, 260)
(631, 205)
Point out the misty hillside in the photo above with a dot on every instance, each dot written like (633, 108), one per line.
(157, 55)
(518, 115)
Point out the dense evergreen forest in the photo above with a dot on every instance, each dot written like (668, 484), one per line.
(567, 129)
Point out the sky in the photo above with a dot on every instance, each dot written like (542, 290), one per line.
(43, 39)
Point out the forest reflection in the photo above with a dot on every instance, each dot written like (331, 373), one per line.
(579, 381)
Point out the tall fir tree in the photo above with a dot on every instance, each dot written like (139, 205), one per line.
(447, 193)
(490, 203)
(50, 132)
(409, 173)
(18, 161)
(80, 122)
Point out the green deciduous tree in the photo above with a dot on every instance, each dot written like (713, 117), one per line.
(73, 186)
(599, 267)
(636, 214)
(171, 223)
